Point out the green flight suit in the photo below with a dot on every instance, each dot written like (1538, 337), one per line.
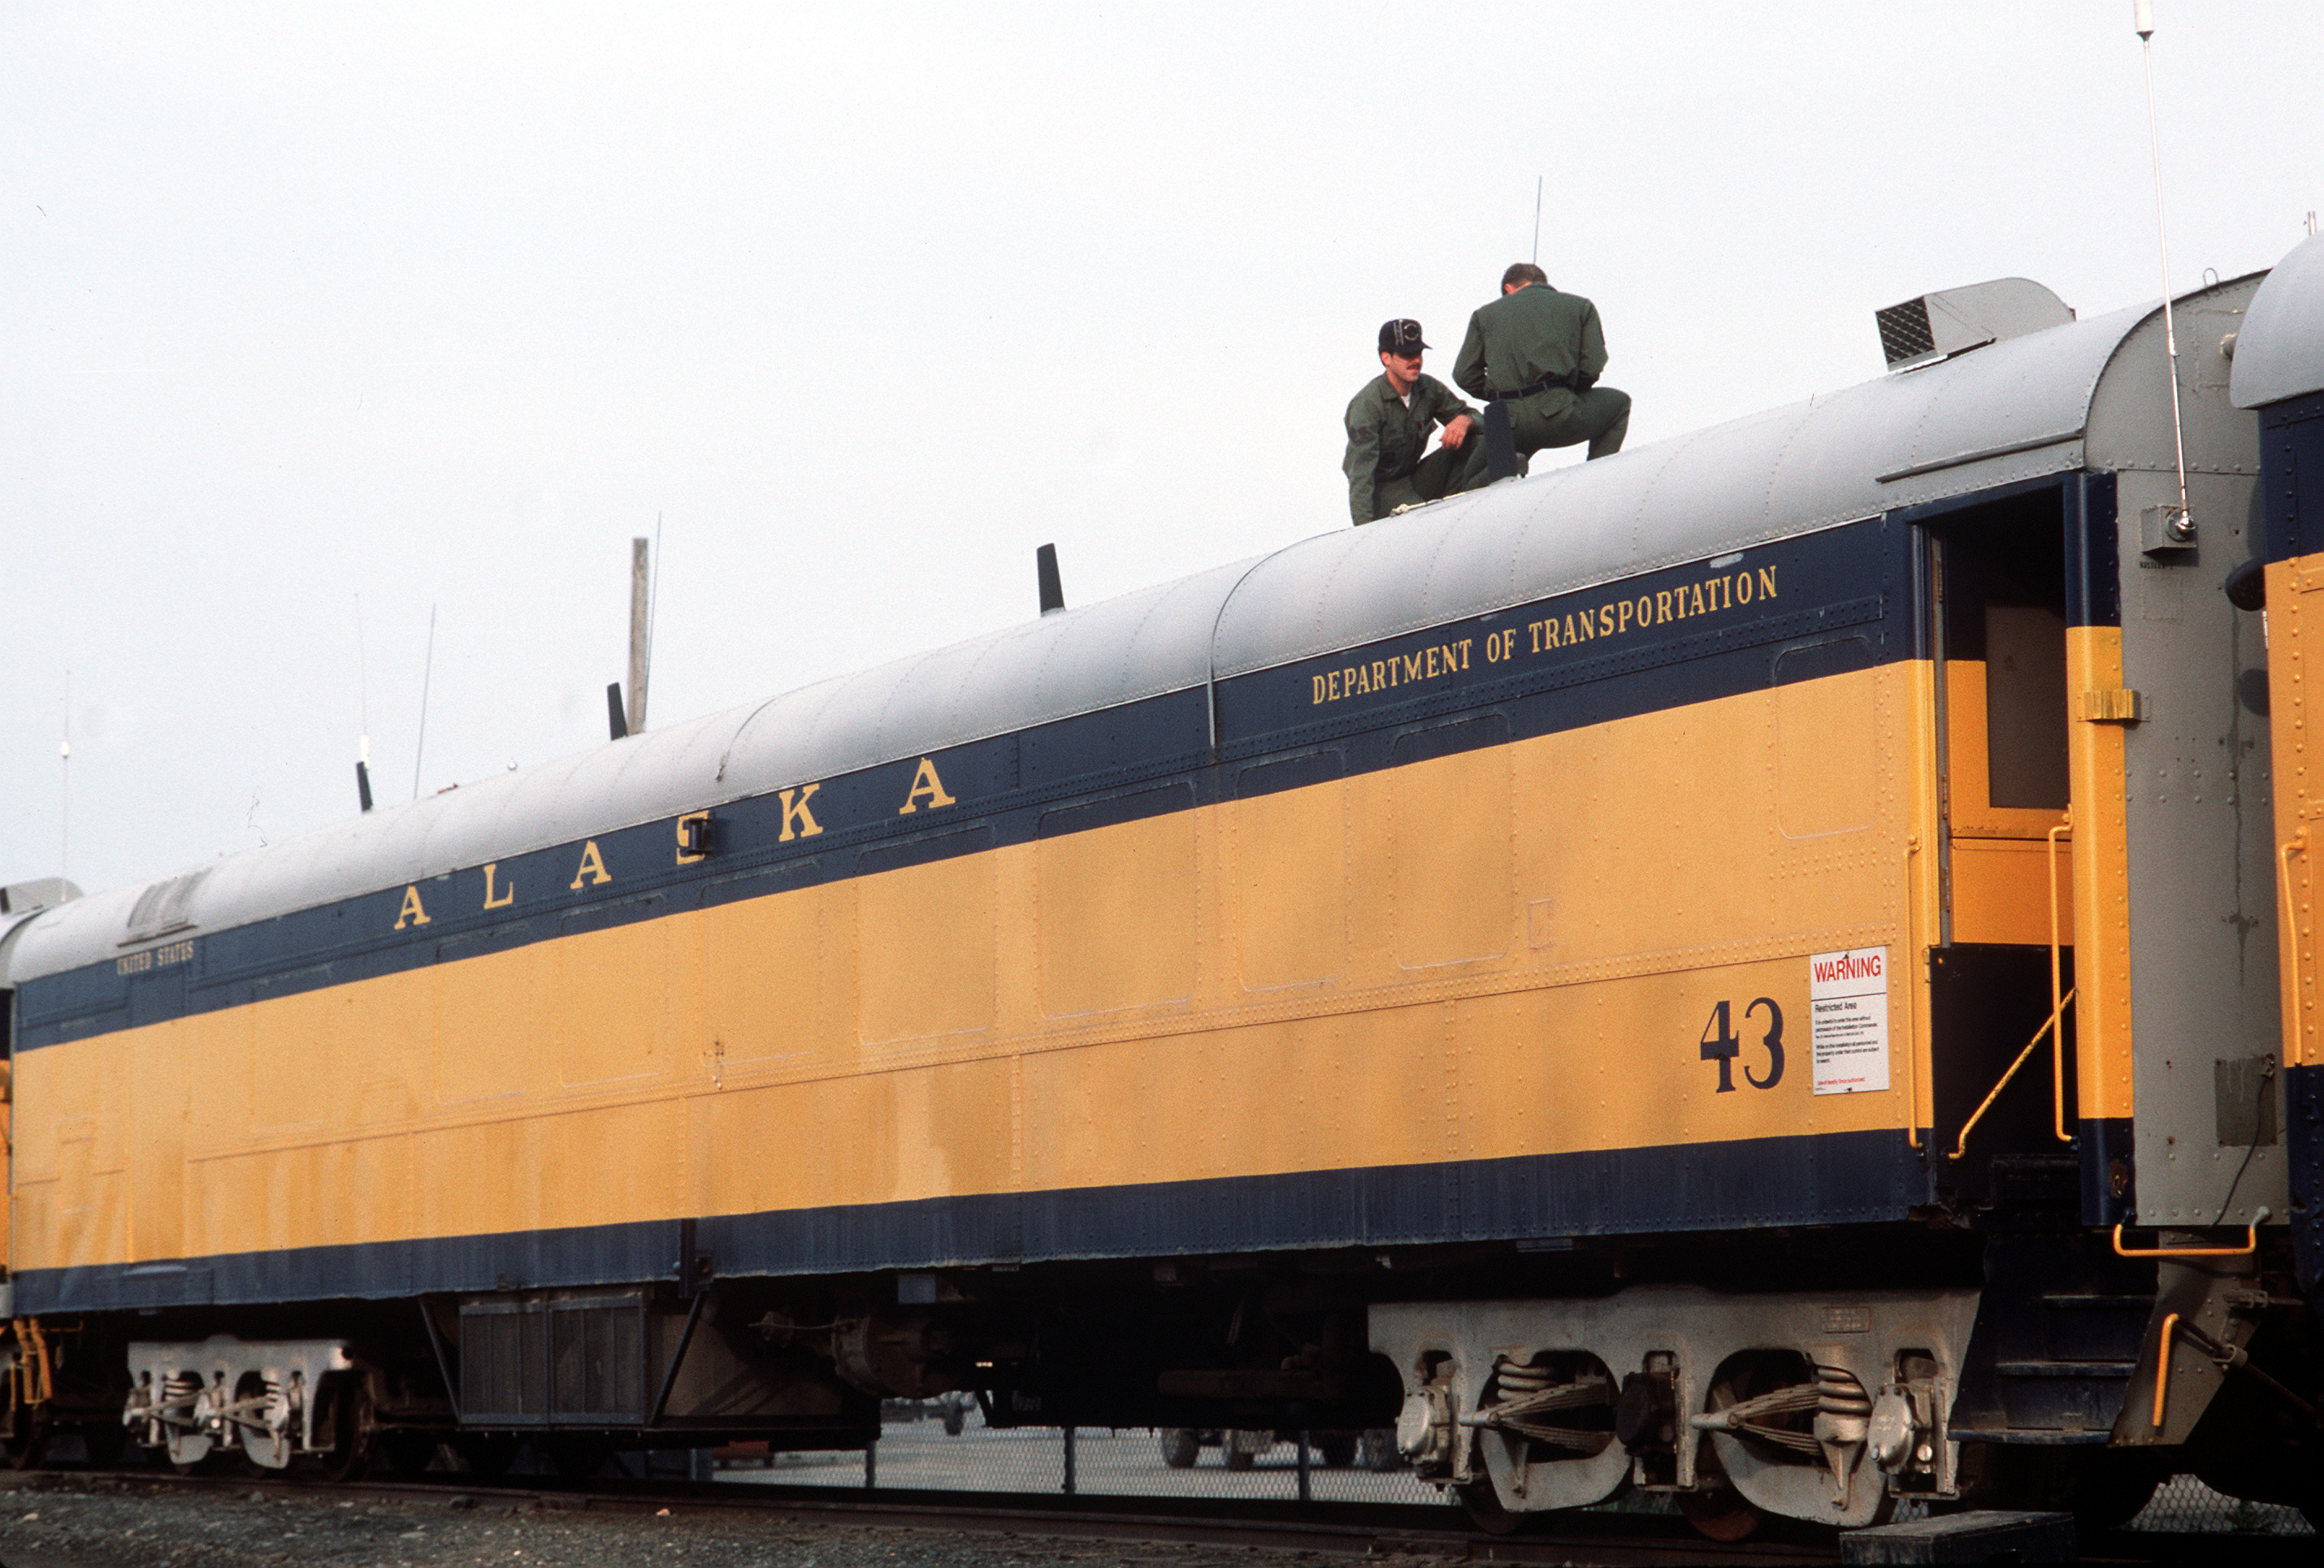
(1538, 335)
(1385, 438)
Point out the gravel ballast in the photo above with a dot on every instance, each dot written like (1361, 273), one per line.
(64, 1520)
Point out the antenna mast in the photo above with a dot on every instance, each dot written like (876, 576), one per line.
(2142, 18)
(1536, 220)
(640, 613)
(427, 671)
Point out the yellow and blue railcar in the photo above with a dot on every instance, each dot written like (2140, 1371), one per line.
(1670, 972)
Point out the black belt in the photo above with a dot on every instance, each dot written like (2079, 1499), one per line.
(1543, 385)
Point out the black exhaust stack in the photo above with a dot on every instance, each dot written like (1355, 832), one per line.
(615, 720)
(1053, 592)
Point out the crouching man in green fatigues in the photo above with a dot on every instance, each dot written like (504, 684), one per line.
(1388, 426)
(1540, 353)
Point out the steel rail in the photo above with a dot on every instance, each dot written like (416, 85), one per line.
(1356, 1530)
(1369, 1531)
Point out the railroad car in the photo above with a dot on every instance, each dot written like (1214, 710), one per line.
(1756, 968)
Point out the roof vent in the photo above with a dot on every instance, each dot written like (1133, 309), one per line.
(1955, 320)
(23, 897)
(163, 908)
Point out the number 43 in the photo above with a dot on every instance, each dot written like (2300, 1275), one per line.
(1721, 1046)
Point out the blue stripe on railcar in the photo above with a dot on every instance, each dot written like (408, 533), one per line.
(1822, 1179)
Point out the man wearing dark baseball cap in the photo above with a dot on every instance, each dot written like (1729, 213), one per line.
(1388, 424)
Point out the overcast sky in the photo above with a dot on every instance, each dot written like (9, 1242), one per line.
(437, 306)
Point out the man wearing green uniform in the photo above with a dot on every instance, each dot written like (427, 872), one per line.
(1388, 426)
(1539, 353)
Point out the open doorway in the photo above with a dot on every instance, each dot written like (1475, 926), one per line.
(2000, 580)
(1998, 615)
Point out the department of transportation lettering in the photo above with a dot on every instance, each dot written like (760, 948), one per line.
(1550, 634)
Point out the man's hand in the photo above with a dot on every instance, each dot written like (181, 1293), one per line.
(1457, 431)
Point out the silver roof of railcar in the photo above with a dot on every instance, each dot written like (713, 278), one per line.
(19, 902)
(2013, 410)
(2280, 352)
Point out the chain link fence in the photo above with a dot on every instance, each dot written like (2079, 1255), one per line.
(2183, 1504)
(933, 1447)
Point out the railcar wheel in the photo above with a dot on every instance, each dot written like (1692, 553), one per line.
(266, 1450)
(1721, 1514)
(26, 1445)
(189, 1453)
(1180, 1447)
(1239, 1458)
(1486, 1510)
(1338, 1448)
(352, 1431)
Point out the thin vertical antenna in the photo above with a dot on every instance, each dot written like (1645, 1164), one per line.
(64, 791)
(654, 606)
(427, 672)
(1536, 220)
(2143, 17)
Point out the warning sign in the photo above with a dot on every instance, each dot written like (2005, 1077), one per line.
(1847, 997)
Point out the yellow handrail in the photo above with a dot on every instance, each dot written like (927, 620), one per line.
(1961, 1145)
(2250, 1246)
(1912, 1009)
(2162, 1365)
(2057, 1002)
(35, 1384)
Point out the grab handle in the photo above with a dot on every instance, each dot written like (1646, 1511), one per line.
(2250, 1246)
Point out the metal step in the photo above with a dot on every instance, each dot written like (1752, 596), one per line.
(1983, 1537)
(2112, 1370)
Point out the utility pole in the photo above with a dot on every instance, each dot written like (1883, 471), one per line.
(640, 647)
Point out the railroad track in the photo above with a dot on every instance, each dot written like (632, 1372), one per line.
(1375, 1532)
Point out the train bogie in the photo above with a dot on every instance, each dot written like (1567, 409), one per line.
(261, 1399)
(1808, 1406)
